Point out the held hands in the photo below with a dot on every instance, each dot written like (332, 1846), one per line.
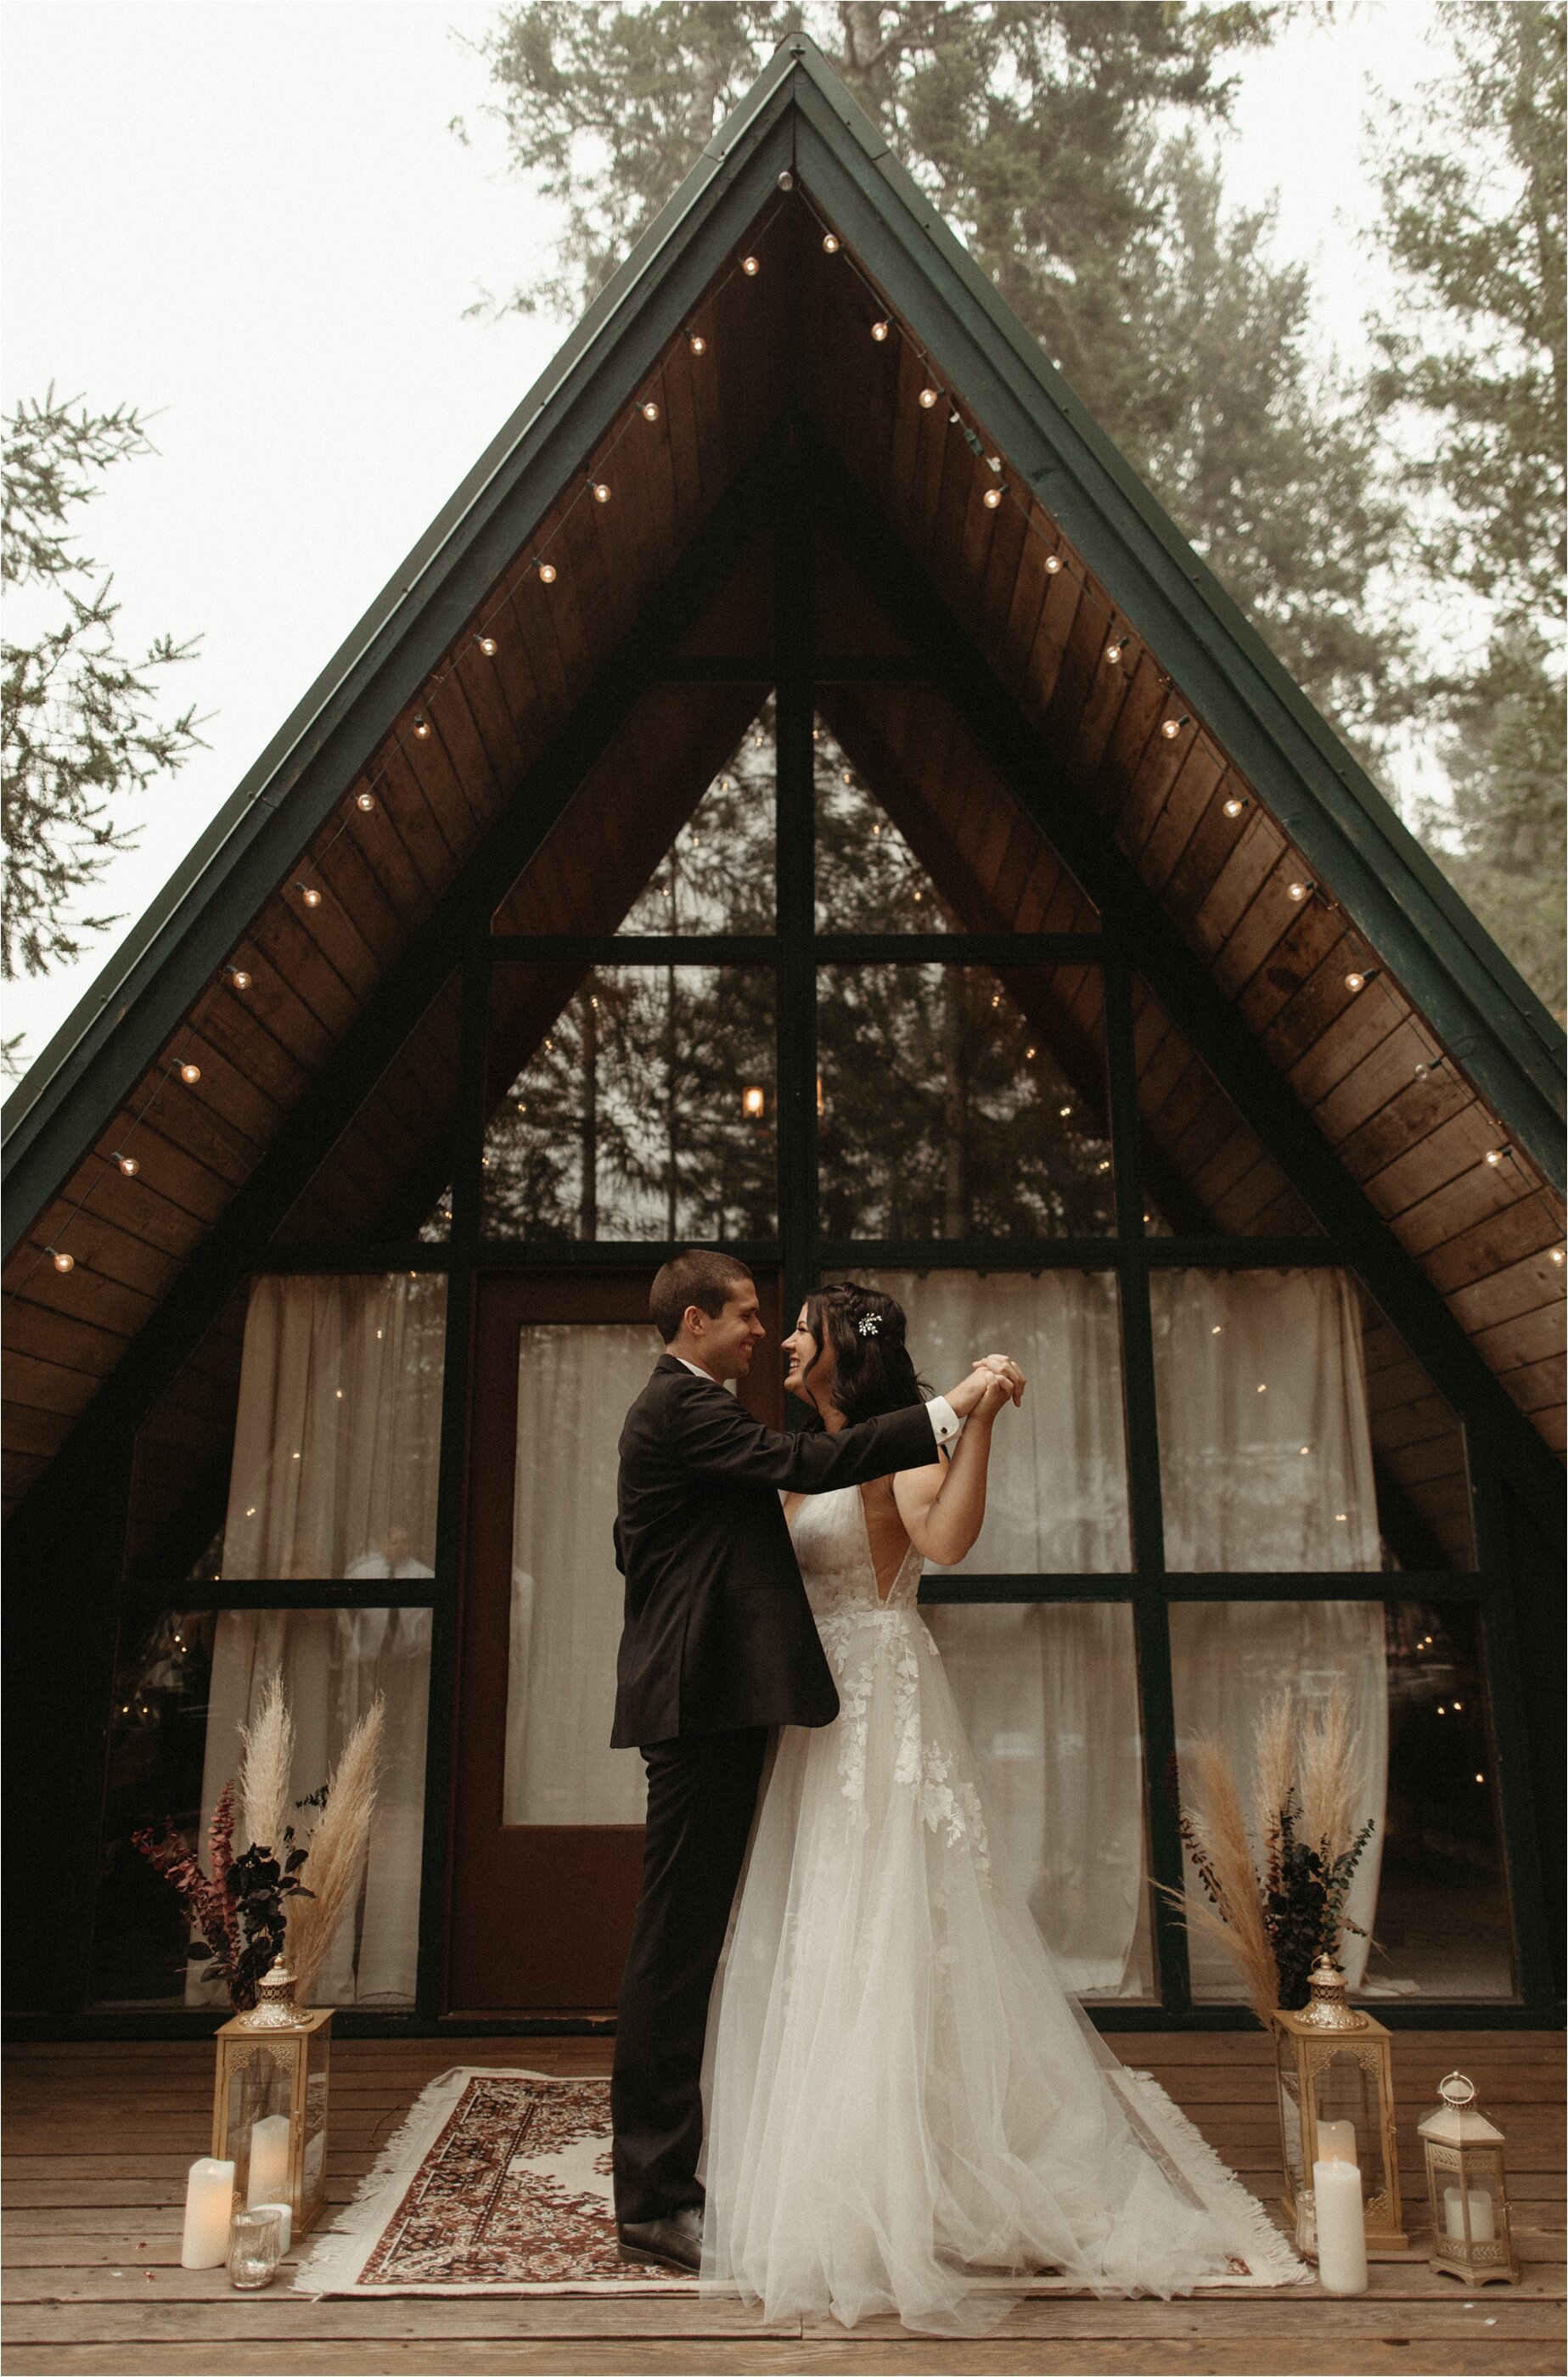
(994, 1381)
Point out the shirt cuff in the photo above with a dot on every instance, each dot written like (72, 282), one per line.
(945, 1423)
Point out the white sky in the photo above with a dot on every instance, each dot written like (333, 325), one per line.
(250, 218)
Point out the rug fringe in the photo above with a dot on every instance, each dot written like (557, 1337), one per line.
(1267, 2251)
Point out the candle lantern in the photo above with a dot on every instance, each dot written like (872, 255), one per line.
(270, 2101)
(1335, 2075)
(1465, 2187)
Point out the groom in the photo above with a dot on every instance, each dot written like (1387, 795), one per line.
(719, 1646)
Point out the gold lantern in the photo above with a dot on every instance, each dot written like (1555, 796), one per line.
(269, 2100)
(1335, 2080)
(1465, 2187)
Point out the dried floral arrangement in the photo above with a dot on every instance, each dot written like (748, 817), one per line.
(1274, 1922)
(250, 1908)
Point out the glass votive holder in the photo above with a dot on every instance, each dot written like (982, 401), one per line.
(255, 2246)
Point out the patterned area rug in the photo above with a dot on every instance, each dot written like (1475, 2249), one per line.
(498, 2182)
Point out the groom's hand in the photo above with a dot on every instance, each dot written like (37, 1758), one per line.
(990, 1367)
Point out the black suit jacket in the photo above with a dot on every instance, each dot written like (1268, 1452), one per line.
(718, 1632)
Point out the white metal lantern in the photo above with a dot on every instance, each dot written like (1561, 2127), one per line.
(1465, 2188)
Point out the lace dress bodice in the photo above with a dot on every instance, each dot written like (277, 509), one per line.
(834, 1546)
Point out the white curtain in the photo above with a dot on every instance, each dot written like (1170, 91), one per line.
(1049, 1696)
(1265, 1457)
(574, 1384)
(332, 1663)
(1227, 1659)
(336, 1440)
(1057, 1499)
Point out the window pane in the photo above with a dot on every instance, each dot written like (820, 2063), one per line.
(868, 880)
(338, 1438)
(717, 876)
(1297, 1430)
(1048, 1693)
(566, 1593)
(644, 1110)
(1429, 1891)
(1057, 1487)
(954, 1104)
(386, 1175)
(185, 1684)
(1265, 1457)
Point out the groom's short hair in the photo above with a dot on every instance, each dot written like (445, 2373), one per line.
(700, 1276)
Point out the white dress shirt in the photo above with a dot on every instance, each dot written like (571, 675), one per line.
(945, 1422)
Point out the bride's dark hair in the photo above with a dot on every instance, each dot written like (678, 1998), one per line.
(872, 1370)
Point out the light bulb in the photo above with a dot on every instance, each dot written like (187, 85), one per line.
(698, 343)
(930, 396)
(310, 895)
(1027, 1054)
(128, 1165)
(601, 491)
(1064, 1111)
(991, 498)
(1354, 981)
(62, 1262)
(239, 977)
(917, 898)
(1173, 727)
(1104, 1164)
(786, 180)
(650, 410)
(848, 777)
(1556, 1257)
(1264, 1390)
(1053, 563)
(1496, 1155)
(1296, 891)
(421, 727)
(752, 1101)
(190, 1075)
(1234, 807)
(1217, 1330)
(488, 646)
(878, 331)
(830, 243)
(1115, 651)
(548, 573)
(365, 801)
(750, 266)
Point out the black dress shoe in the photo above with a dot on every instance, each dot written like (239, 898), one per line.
(675, 2241)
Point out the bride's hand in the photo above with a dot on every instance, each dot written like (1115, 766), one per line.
(996, 1394)
(1001, 1366)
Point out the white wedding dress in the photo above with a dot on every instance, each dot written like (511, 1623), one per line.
(903, 2103)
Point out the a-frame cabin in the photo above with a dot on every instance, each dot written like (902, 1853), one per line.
(802, 792)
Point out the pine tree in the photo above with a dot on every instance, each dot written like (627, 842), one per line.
(1067, 142)
(1472, 385)
(83, 728)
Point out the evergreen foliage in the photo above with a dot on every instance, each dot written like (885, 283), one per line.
(1472, 385)
(83, 728)
(1063, 141)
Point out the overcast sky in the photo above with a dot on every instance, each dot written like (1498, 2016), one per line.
(252, 219)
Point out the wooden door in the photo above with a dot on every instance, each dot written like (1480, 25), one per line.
(546, 1841)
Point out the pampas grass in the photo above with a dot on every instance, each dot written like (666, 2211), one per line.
(266, 1764)
(1223, 1854)
(1331, 1776)
(336, 1857)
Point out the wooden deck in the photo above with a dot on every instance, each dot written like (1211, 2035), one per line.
(98, 2139)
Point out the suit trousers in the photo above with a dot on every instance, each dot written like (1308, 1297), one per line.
(701, 1797)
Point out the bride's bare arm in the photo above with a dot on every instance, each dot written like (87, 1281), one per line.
(943, 1508)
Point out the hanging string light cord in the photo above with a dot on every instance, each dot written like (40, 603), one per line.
(595, 484)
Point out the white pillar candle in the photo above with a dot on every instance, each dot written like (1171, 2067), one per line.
(286, 2222)
(1341, 2227)
(269, 2160)
(1483, 2227)
(209, 2199)
(1336, 2141)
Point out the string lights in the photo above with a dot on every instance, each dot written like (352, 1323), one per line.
(647, 409)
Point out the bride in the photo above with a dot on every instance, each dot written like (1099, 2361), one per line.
(902, 2104)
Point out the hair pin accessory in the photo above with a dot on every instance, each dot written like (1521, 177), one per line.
(869, 1324)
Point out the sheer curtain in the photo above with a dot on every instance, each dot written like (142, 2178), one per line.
(332, 1663)
(1266, 1463)
(336, 1440)
(573, 1385)
(1057, 1489)
(1049, 1692)
(1265, 1456)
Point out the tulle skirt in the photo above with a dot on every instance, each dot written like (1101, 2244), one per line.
(903, 2103)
